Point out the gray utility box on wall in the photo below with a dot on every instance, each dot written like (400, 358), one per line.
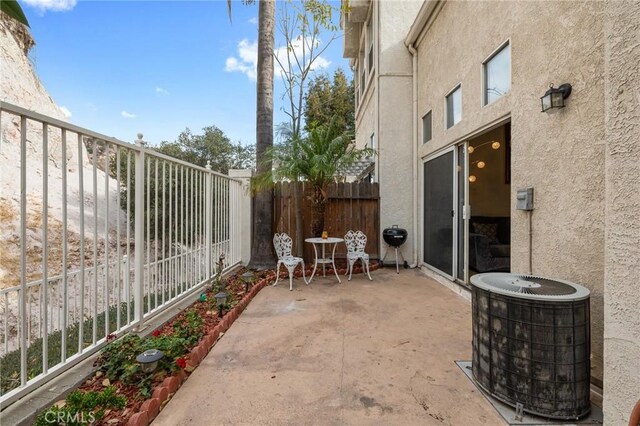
(524, 199)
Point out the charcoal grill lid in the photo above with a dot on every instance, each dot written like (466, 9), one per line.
(530, 287)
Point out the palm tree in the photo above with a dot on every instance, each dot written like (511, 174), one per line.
(261, 249)
(13, 10)
(318, 158)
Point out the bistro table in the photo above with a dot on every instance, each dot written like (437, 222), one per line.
(324, 259)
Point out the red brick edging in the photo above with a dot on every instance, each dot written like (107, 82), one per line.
(161, 394)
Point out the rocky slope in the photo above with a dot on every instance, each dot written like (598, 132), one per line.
(20, 86)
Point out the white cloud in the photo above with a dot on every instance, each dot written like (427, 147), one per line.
(319, 62)
(53, 5)
(247, 61)
(253, 21)
(126, 114)
(160, 91)
(65, 111)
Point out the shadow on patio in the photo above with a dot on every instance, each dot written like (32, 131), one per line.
(359, 352)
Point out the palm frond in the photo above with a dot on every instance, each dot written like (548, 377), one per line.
(13, 9)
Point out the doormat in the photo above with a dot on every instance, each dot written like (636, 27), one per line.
(508, 413)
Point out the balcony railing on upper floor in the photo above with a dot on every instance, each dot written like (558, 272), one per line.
(99, 235)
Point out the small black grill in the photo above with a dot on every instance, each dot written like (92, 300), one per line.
(394, 237)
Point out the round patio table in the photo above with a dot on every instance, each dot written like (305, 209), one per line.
(324, 259)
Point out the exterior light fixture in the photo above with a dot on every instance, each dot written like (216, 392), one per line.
(247, 279)
(472, 178)
(555, 96)
(481, 164)
(221, 299)
(149, 360)
(495, 145)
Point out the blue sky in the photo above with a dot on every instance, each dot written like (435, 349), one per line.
(156, 67)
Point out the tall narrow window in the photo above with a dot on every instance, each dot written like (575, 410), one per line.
(497, 75)
(370, 41)
(426, 127)
(454, 107)
(363, 70)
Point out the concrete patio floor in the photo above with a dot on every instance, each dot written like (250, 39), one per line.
(357, 353)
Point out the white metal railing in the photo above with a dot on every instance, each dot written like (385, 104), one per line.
(110, 233)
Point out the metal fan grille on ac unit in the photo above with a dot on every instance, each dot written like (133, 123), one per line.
(530, 287)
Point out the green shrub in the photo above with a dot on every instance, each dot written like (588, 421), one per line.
(82, 408)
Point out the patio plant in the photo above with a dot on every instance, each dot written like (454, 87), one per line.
(319, 157)
(82, 408)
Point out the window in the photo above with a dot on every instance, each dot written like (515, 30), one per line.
(370, 43)
(363, 71)
(426, 127)
(454, 107)
(497, 75)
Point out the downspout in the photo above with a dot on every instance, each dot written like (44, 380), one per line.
(414, 163)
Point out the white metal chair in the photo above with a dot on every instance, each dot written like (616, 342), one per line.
(356, 242)
(283, 244)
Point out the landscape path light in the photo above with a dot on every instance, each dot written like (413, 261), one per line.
(149, 360)
(221, 299)
(247, 278)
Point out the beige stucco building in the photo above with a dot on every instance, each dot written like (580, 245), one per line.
(383, 86)
(453, 108)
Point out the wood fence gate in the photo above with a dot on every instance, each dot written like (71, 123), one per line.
(350, 206)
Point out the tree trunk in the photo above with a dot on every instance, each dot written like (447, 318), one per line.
(262, 256)
(297, 205)
(318, 203)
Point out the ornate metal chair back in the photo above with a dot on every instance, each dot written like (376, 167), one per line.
(283, 245)
(355, 241)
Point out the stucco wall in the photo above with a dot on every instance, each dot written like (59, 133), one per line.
(386, 112)
(622, 256)
(560, 155)
(395, 66)
(397, 16)
(396, 159)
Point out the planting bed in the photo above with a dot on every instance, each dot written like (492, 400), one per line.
(185, 340)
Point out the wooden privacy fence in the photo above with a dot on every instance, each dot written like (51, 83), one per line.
(350, 206)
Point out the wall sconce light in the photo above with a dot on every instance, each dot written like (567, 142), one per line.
(472, 178)
(149, 360)
(555, 96)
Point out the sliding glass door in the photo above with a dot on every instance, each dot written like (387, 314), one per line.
(439, 212)
(463, 212)
(445, 225)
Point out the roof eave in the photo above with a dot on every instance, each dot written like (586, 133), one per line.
(426, 11)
